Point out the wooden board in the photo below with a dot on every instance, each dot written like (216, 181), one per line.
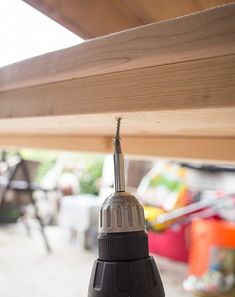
(207, 84)
(199, 36)
(211, 122)
(92, 18)
(177, 148)
(172, 82)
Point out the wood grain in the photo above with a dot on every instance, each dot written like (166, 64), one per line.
(199, 36)
(201, 122)
(206, 84)
(92, 18)
(177, 148)
(174, 79)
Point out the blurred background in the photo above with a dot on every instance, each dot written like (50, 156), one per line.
(49, 203)
(50, 200)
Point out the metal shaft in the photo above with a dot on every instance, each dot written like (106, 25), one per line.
(119, 173)
(119, 169)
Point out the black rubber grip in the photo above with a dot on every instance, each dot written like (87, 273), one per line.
(138, 278)
(123, 246)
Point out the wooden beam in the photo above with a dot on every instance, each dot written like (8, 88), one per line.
(178, 148)
(207, 84)
(92, 18)
(183, 70)
(198, 36)
(205, 122)
(58, 142)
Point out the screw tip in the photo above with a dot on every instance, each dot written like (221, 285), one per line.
(117, 143)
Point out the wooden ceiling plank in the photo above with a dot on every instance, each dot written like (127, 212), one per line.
(92, 18)
(201, 35)
(89, 18)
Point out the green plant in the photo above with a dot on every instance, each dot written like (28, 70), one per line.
(45, 158)
(91, 168)
(91, 175)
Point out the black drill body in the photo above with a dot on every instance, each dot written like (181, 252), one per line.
(124, 268)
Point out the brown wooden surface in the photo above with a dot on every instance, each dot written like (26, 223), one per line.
(92, 18)
(178, 148)
(216, 122)
(199, 36)
(174, 79)
(190, 98)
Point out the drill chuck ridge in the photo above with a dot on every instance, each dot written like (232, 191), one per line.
(122, 235)
(121, 212)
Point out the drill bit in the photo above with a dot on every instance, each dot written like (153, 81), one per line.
(119, 169)
(117, 139)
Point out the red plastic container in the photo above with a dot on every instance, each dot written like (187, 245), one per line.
(172, 243)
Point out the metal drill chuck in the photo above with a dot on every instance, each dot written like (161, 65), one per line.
(121, 212)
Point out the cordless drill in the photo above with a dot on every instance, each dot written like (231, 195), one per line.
(124, 267)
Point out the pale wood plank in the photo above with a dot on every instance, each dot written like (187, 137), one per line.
(188, 70)
(191, 85)
(202, 35)
(210, 122)
(178, 148)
